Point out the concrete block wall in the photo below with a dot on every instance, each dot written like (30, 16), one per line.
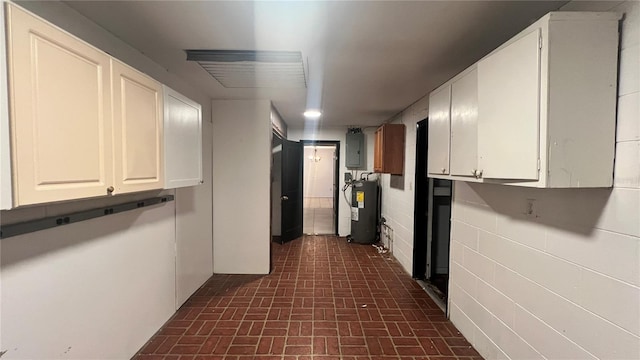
(564, 281)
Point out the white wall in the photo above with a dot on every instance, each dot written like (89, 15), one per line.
(194, 231)
(318, 175)
(398, 204)
(241, 186)
(338, 134)
(48, 301)
(94, 289)
(565, 281)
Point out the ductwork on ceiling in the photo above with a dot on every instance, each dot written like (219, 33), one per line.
(252, 69)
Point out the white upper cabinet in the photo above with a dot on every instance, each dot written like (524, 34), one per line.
(546, 103)
(508, 102)
(60, 113)
(137, 129)
(182, 140)
(439, 128)
(464, 124)
(81, 123)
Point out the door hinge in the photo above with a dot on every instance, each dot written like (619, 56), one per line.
(538, 164)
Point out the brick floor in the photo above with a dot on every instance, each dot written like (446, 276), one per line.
(325, 299)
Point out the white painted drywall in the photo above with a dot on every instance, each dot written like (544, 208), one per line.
(564, 281)
(194, 232)
(241, 186)
(338, 134)
(124, 236)
(94, 289)
(318, 175)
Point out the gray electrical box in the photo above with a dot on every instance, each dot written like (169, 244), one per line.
(355, 149)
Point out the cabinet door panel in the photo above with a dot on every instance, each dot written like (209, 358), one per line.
(60, 114)
(508, 108)
(137, 130)
(377, 156)
(439, 127)
(464, 125)
(6, 192)
(183, 140)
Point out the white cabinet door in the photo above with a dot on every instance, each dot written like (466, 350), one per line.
(137, 126)
(508, 108)
(439, 127)
(182, 140)
(60, 113)
(464, 125)
(6, 196)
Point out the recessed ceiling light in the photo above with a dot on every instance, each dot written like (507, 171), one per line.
(312, 114)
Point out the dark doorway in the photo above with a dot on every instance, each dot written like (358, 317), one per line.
(291, 194)
(432, 224)
(421, 213)
(439, 232)
(276, 187)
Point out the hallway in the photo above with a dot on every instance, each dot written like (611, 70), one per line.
(317, 216)
(325, 299)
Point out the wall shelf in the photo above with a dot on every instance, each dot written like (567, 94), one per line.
(30, 226)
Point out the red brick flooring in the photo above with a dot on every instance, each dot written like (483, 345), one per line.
(325, 299)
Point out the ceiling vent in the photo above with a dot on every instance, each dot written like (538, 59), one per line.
(252, 69)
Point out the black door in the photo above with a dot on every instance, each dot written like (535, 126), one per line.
(291, 190)
(421, 214)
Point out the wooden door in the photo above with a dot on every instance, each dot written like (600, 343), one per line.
(508, 110)
(138, 130)
(60, 113)
(439, 127)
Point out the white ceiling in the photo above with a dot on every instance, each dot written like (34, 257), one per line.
(366, 60)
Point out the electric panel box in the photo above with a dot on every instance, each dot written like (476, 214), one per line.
(355, 150)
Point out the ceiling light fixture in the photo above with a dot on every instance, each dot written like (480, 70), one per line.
(312, 114)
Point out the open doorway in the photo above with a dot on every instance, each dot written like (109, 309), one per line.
(320, 189)
(432, 225)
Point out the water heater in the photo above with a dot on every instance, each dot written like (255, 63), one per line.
(365, 200)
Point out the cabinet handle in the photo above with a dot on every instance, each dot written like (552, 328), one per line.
(478, 174)
(284, 197)
(110, 189)
(444, 171)
(474, 172)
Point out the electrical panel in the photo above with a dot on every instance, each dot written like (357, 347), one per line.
(355, 149)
